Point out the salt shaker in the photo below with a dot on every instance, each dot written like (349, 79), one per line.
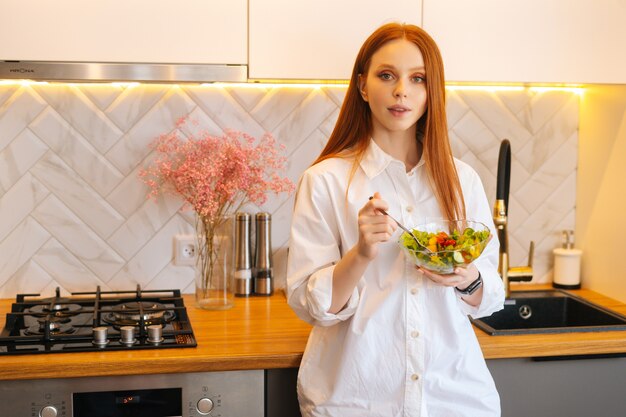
(243, 264)
(263, 257)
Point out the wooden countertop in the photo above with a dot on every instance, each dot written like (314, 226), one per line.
(264, 333)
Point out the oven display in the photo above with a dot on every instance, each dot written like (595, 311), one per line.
(166, 402)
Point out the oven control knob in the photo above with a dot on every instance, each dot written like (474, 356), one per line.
(205, 405)
(48, 411)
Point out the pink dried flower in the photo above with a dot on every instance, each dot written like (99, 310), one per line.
(216, 175)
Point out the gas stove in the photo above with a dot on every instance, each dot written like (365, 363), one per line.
(96, 321)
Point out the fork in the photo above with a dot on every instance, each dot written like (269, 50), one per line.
(403, 228)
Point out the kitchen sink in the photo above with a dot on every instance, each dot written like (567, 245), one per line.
(550, 311)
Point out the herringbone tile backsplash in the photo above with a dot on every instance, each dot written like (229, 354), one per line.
(74, 214)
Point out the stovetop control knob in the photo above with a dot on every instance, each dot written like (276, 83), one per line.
(48, 411)
(205, 405)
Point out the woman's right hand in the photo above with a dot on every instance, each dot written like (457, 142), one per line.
(374, 227)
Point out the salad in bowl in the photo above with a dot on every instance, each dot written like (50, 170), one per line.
(444, 245)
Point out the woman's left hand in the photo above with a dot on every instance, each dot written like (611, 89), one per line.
(461, 278)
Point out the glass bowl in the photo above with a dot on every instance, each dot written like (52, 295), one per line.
(450, 243)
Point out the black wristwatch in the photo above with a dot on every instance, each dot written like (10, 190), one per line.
(473, 287)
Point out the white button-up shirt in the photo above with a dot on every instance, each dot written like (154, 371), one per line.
(402, 345)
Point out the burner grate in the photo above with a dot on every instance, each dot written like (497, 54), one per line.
(67, 324)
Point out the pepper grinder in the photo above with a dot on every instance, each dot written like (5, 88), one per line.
(243, 264)
(263, 257)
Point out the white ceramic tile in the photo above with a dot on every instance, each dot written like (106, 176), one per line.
(134, 103)
(543, 107)
(6, 91)
(225, 110)
(81, 113)
(279, 258)
(77, 152)
(153, 257)
(200, 123)
(17, 112)
(130, 193)
(161, 119)
(28, 279)
(141, 231)
(304, 120)
(455, 108)
(17, 203)
(276, 106)
(336, 93)
(102, 95)
(77, 195)
(172, 277)
(328, 124)
(18, 157)
(19, 246)
(476, 135)
(550, 139)
(143, 224)
(557, 167)
(515, 101)
(490, 110)
(65, 268)
(77, 238)
(246, 97)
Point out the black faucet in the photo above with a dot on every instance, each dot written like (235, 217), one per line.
(500, 219)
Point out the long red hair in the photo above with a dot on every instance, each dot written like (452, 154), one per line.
(351, 135)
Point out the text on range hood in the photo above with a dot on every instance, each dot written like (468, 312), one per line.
(115, 71)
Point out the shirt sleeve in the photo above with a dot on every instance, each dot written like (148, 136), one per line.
(478, 209)
(314, 249)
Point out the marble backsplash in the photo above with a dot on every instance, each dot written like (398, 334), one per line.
(74, 214)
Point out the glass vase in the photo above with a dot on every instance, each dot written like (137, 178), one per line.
(214, 265)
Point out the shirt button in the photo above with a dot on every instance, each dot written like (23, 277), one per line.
(409, 209)
(413, 291)
(415, 377)
(415, 333)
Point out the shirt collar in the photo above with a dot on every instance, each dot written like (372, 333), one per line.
(375, 160)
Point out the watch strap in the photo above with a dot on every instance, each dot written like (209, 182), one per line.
(473, 287)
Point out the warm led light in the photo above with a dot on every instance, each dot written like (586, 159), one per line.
(277, 85)
(22, 82)
(485, 87)
(541, 89)
(125, 84)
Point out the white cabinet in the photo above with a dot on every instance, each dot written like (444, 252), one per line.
(163, 31)
(563, 41)
(316, 39)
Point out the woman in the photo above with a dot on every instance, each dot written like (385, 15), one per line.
(390, 339)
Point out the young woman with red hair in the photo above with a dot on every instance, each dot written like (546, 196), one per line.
(389, 339)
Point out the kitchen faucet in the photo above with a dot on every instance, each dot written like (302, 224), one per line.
(500, 219)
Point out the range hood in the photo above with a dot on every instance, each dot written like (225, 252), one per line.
(194, 41)
(121, 71)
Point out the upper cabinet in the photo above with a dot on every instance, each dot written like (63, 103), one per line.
(146, 31)
(559, 41)
(314, 40)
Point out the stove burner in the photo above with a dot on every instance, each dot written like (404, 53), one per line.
(56, 325)
(56, 310)
(129, 314)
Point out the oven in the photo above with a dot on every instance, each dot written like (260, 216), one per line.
(215, 394)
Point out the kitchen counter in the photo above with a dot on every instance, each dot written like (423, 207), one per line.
(264, 333)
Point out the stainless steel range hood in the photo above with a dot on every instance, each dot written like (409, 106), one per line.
(119, 71)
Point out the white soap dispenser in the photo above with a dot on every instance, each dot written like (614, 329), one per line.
(567, 263)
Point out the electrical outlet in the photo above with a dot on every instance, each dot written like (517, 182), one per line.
(185, 250)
